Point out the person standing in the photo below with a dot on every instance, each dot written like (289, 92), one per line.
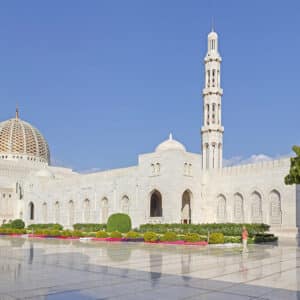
(245, 239)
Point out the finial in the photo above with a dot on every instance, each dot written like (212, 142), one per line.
(212, 24)
(170, 136)
(17, 112)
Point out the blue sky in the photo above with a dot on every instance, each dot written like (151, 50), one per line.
(107, 80)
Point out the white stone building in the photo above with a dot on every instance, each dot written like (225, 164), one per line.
(166, 186)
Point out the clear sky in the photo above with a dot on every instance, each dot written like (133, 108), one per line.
(106, 80)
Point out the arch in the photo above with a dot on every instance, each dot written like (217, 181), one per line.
(156, 204)
(125, 204)
(186, 211)
(238, 212)
(104, 210)
(86, 211)
(56, 212)
(45, 212)
(275, 208)
(221, 209)
(256, 207)
(71, 212)
(31, 211)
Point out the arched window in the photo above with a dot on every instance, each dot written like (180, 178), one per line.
(104, 210)
(156, 204)
(207, 156)
(125, 205)
(45, 212)
(256, 207)
(56, 212)
(86, 211)
(71, 209)
(221, 210)
(275, 208)
(238, 208)
(207, 114)
(186, 211)
(31, 211)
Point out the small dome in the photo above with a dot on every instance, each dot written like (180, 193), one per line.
(170, 144)
(21, 141)
(212, 35)
(45, 172)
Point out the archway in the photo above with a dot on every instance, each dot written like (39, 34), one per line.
(31, 211)
(45, 212)
(238, 208)
(221, 209)
(156, 204)
(275, 208)
(71, 212)
(86, 211)
(104, 210)
(256, 207)
(125, 205)
(186, 207)
(56, 212)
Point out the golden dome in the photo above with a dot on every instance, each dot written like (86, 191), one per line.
(21, 141)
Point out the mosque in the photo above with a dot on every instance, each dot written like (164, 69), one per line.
(169, 185)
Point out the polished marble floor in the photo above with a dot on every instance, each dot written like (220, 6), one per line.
(56, 269)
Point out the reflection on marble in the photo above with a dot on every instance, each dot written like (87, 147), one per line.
(58, 269)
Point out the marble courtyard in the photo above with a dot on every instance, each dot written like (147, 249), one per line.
(56, 269)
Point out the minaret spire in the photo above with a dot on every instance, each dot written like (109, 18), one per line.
(212, 129)
(17, 112)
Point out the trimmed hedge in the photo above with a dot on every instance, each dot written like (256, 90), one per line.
(116, 234)
(169, 237)
(12, 231)
(15, 224)
(89, 227)
(49, 226)
(216, 238)
(192, 237)
(150, 237)
(101, 234)
(119, 222)
(228, 229)
(265, 238)
(133, 235)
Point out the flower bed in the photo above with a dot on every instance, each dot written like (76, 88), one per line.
(110, 239)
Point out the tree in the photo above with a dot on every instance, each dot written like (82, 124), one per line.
(294, 176)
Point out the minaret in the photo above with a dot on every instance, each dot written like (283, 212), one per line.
(212, 129)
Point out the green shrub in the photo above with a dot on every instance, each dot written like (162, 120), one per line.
(116, 234)
(228, 229)
(265, 238)
(77, 233)
(119, 222)
(67, 233)
(54, 233)
(232, 239)
(49, 226)
(192, 237)
(89, 227)
(169, 237)
(101, 234)
(216, 238)
(150, 236)
(133, 235)
(17, 224)
(12, 231)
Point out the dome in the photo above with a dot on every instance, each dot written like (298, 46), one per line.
(170, 144)
(21, 141)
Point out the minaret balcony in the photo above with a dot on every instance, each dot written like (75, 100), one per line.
(212, 90)
(212, 127)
